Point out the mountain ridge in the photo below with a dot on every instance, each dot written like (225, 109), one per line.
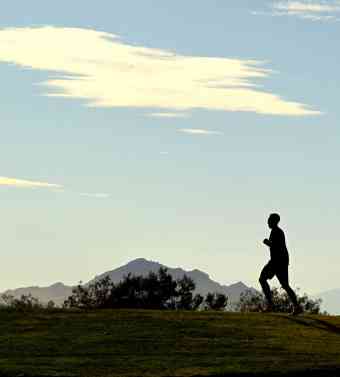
(58, 292)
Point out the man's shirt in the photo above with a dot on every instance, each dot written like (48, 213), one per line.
(278, 248)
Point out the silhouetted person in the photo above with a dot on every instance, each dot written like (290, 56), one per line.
(278, 264)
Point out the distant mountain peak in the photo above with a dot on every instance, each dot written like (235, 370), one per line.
(141, 261)
(200, 274)
(204, 283)
(138, 260)
(57, 285)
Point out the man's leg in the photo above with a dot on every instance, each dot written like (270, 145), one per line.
(282, 276)
(267, 274)
(291, 294)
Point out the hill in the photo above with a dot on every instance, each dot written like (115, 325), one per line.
(59, 292)
(169, 343)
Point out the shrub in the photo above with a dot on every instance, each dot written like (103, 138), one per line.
(215, 301)
(24, 303)
(251, 301)
(154, 291)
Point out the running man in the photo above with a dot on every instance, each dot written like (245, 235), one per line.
(278, 264)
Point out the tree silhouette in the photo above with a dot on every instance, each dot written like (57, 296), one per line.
(154, 291)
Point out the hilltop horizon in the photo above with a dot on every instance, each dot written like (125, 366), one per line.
(58, 291)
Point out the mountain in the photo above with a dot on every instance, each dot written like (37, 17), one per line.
(203, 282)
(330, 301)
(59, 292)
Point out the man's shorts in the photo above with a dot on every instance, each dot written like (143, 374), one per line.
(280, 270)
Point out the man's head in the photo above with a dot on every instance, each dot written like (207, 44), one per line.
(273, 220)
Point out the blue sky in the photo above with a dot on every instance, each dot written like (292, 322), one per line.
(184, 126)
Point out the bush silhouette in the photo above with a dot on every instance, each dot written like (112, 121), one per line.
(216, 301)
(251, 301)
(24, 303)
(154, 291)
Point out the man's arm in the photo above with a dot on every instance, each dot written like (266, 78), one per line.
(267, 242)
(276, 239)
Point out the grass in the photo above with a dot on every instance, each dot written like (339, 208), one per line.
(153, 343)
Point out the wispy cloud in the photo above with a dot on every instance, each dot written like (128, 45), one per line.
(29, 184)
(199, 131)
(309, 10)
(14, 182)
(99, 68)
(168, 115)
(308, 6)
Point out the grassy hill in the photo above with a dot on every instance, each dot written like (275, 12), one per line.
(153, 343)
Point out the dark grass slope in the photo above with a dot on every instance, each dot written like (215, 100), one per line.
(153, 343)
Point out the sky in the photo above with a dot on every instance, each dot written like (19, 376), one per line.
(168, 131)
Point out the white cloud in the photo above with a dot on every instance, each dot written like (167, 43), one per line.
(199, 131)
(307, 7)
(21, 183)
(309, 10)
(99, 68)
(14, 182)
(168, 115)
